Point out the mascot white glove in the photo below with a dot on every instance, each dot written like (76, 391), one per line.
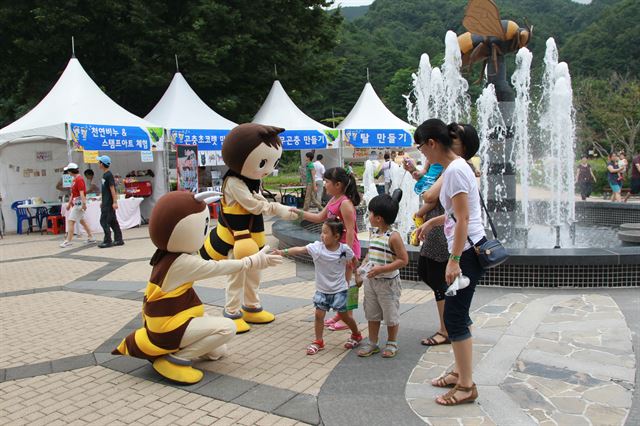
(262, 259)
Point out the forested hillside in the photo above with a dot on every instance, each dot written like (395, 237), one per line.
(229, 49)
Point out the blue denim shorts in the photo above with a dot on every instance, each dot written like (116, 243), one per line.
(326, 302)
(615, 187)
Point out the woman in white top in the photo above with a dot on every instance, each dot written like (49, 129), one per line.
(463, 227)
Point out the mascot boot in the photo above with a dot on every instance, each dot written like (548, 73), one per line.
(256, 315)
(177, 370)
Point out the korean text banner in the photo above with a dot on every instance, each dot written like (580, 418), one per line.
(364, 138)
(308, 139)
(98, 137)
(205, 139)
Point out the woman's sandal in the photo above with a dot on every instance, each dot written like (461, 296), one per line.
(441, 382)
(449, 398)
(431, 341)
(315, 347)
(390, 350)
(353, 341)
(368, 349)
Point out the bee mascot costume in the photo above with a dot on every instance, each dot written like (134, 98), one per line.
(175, 329)
(251, 151)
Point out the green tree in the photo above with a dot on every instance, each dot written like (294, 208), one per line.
(609, 111)
(227, 49)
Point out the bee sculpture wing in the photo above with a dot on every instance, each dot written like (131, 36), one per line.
(483, 18)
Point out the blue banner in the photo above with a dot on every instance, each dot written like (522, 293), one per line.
(98, 137)
(378, 138)
(303, 139)
(205, 139)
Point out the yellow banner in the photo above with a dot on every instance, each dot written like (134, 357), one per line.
(90, 157)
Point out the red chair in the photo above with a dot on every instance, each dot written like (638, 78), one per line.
(55, 224)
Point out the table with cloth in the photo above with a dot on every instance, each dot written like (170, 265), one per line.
(128, 215)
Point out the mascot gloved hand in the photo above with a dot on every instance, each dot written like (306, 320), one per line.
(175, 329)
(251, 151)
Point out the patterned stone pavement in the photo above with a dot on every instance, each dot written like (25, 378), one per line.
(552, 358)
(556, 360)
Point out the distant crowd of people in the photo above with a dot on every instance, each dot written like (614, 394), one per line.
(618, 171)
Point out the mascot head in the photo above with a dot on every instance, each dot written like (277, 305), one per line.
(252, 150)
(180, 220)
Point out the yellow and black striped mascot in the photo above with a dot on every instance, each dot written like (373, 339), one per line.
(175, 329)
(251, 151)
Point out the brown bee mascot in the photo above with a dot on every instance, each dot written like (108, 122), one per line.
(176, 331)
(251, 151)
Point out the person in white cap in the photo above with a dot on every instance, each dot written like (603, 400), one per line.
(108, 219)
(77, 206)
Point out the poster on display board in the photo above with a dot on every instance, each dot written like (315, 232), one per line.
(210, 158)
(378, 138)
(187, 167)
(98, 137)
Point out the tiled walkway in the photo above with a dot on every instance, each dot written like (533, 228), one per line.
(546, 357)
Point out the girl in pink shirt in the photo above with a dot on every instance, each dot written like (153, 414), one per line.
(344, 191)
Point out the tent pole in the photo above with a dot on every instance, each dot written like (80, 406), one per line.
(165, 155)
(68, 139)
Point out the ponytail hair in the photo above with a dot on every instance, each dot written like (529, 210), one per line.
(348, 181)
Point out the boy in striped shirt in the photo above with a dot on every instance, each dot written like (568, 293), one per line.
(381, 268)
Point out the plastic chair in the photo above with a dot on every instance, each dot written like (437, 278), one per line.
(55, 224)
(22, 215)
(42, 213)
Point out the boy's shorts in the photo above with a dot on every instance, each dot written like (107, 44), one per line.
(326, 302)
(382, 300)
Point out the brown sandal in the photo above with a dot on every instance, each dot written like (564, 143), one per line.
(431, 341)
(450, 399)
(441, 382)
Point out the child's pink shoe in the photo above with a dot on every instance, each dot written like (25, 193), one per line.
(338, 325)
(334, 319)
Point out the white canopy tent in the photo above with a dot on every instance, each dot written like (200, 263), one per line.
(301, 131)
(188, 120)
(40, 141)
(370, 124)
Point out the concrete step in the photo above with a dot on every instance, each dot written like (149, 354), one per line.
(632, 237)
(630, 227)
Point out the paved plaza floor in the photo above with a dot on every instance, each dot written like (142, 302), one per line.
(542, 356)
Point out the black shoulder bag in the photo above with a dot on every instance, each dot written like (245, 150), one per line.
(491, 253)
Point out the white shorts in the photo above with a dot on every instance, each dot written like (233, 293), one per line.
(76, 214)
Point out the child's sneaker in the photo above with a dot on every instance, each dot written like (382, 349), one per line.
(315, 347)
(66, 243)
(353, 341)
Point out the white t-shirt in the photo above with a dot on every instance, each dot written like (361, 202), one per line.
(319, 170)
(457, 178)
(386, 170)
(330, 266)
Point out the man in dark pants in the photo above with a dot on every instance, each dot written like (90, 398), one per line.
(108, 206)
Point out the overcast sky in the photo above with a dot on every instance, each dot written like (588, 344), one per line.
(347, 3)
